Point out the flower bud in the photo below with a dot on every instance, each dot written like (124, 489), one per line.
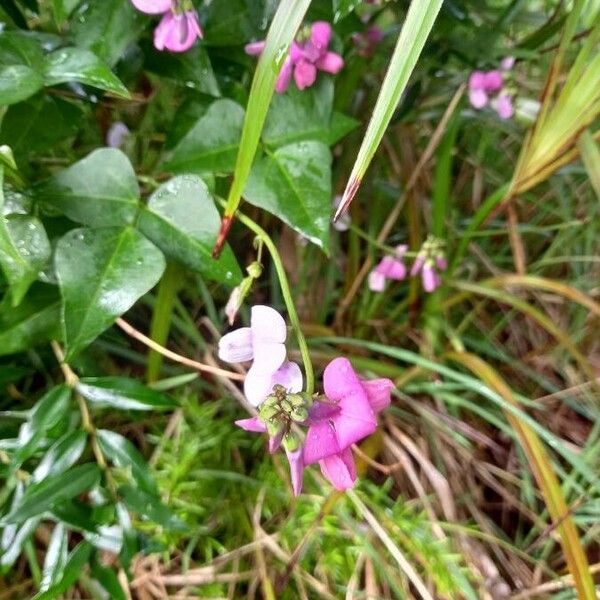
(275, 428)
(299, 414)
(290, 441)
(254, 270)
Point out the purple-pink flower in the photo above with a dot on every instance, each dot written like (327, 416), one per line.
(390, 267)
(488, 88)
(346, 415)
(179, 27)
(305, 58)
(366, 42)
(429, 263)
(349, 416)
(263, 343)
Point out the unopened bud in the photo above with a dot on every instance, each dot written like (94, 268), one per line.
(254, 270)
(290, 441)
(299, 414)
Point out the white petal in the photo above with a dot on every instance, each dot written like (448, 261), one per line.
(289, 376)
(268, 356)
(236, 346)
(267, 324)
(257, 386)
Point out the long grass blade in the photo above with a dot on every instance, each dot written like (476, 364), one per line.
(544, 474)
(284, 26)
(415, 31)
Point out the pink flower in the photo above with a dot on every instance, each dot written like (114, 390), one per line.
(366, 42)
(264, 343)
(348, 418)
(294, 456)
(504, 106)
(388, 268)
(305, 59)
(117, 134)
(429, 262)
(178, 29)
(488, 87)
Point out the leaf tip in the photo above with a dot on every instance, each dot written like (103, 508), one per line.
(347, 198)
(226, 223)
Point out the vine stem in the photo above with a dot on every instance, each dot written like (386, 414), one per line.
(287, 297)
(71, 380)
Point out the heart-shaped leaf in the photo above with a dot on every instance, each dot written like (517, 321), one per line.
(102, 272)
(211, 144)
(100, 190)
(182, 220)
(24, 251)
(18, 82)
(294, 184)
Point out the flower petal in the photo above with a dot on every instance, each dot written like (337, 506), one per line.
(268, 356)
(430, 278)
(305, 74)
(253, 424)
(376, 281)
(478, 98)
(152, 7)
(378, 393)
(236, 346)
(255, 48)
(330, 62)
(356, 419)
(392, 268)
(177, 32)
(285, 76)
(340, 470)
(321, 441)
(507, 63)
(504, 106)
(296, 469)
(493, 81)
(257, 386)
(289, 376)
(267, 324)
(477, 80)
(116, 134)
(320, 34)
(417, 265)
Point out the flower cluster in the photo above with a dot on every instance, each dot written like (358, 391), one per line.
(366, 42)
(178, 29)
(429, 262)
(489, 87)
(308, 54)
(345, 414)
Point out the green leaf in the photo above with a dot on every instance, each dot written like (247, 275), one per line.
(106, 27)
(122, 393)
(64, 453)
(77, 64)
(299, 114)
(56, 557)
(39, 497)
(124, 454)
(73, 569)
(211, 144)
(234, 22)
(109, 581)
(20, 48)
(63, 8)
(35, 321)
(12, 541)
(151, 508)
(342, 8)
(46, 413)
(415, 30)
(192, 69)
(102, 272)
(182, 220)
(25, 125)
(18, 82)
(294, 184)
(100, 190)
(282, 31)
(340, 126)
(24, 251)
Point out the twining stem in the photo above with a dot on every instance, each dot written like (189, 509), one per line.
(144, 339)
(287, 298)
(71, 380)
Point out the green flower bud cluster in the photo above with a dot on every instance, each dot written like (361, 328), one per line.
(432, 250)
(280, 410)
